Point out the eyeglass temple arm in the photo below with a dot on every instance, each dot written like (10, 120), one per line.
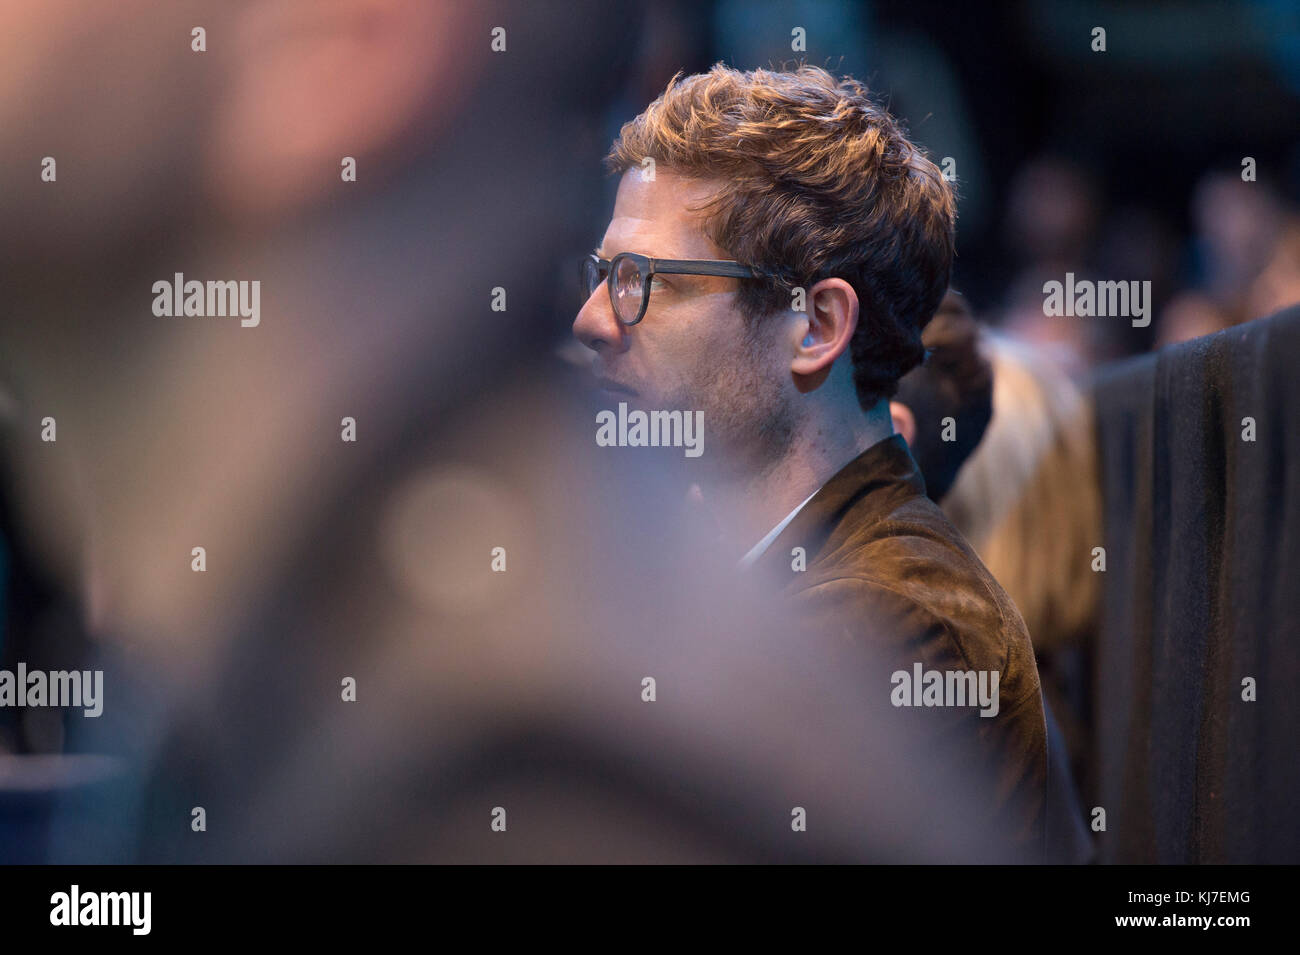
(702, 267)
(722, 267)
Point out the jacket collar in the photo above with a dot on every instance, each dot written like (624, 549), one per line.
(869, 487)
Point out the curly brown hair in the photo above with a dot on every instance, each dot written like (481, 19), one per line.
(821, 182)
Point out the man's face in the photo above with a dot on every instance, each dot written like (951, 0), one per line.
(693, 350)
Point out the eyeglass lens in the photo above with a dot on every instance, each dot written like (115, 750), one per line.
(627, 290)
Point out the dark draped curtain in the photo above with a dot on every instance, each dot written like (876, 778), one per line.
(1201, 592)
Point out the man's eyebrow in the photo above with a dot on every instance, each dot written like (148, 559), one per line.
(600, 254)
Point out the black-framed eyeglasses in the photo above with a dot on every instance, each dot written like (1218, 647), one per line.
(628, 275)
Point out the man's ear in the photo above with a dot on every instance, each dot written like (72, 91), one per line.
(825, 334)
(305, 85)
(904, 421)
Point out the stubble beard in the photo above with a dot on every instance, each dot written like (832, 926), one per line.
(746, 416)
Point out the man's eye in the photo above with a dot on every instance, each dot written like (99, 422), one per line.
(657, 283)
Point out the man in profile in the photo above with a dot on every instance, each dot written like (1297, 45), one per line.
(777, 246)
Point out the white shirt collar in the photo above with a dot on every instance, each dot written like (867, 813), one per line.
(758, 549)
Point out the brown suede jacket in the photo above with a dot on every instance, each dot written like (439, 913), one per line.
(881, 563)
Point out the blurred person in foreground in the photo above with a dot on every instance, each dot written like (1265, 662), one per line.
(350, 679)
(781, 261)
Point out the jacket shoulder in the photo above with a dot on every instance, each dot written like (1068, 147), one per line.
(914, 582)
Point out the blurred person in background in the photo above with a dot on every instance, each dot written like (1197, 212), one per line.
(1278, 284)
(943, 410)
(1051, 219)
(1029, 501)
(944, 405)
(1239, 229)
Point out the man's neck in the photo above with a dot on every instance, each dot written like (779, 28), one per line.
(749, 507)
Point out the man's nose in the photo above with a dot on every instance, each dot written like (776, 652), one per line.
(596, 325)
